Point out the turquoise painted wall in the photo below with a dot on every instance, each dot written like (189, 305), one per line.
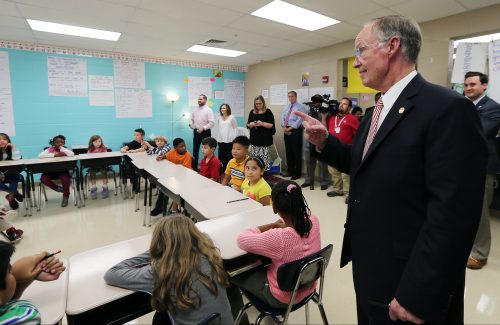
(38, 116)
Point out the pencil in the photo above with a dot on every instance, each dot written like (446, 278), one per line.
(50, 255)
(243, 199)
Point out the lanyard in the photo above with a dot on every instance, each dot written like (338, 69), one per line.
(338, 125)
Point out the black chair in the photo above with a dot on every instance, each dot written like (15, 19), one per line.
(162, 318)
(292, 277)
(109, 169)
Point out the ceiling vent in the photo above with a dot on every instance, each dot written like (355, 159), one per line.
(214, 42)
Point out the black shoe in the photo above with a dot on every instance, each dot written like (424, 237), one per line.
(294, 178)
(18, 196)
(155, 212)
(306, 184)
(334, 194)
(286, 175)
(347, 199)
(59, 189)
(324, 187)
(64, 202)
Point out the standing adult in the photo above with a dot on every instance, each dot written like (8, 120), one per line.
(377, 97)
(227, 125)
(417, 167)
(475, 85)
(262, 128)
(344, 126)
(202, 120)
(292, 129)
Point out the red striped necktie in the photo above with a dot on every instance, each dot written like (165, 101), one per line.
(373, 126)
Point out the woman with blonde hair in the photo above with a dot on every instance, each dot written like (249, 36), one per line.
(261, 125)
(182, 270)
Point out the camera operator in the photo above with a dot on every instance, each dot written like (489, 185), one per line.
(344, 126)
(315, 109)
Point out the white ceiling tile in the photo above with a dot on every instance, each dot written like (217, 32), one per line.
(419, 9)
(263, 26)
(69, 41)
(14, 22)
(342, 31)
(16, 34)
(8, 8)
(316, 40)
(388, 3)
(478, 3)
(130, 3)
(338, 9)
(243, 6)
(361, 20)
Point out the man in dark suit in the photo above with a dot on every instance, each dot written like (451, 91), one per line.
(417, 166)
(475, 85)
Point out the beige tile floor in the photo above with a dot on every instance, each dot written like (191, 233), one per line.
(107, 221)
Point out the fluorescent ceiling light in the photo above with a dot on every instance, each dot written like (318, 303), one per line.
(478, 39)
(44, 26)
(214, 51)
(292, 15)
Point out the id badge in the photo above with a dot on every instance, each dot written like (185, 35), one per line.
(337, 130)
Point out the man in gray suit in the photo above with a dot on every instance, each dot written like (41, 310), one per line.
(475, 85)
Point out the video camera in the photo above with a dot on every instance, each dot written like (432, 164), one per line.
(322, 104)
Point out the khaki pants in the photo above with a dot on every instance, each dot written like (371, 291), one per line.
(340, 181)
(482, 243)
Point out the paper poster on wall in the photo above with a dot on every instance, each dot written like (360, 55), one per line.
(494, 71)
(234, 93)
(101, 98)
(322, 91)
(218, 94)
(129, 74)
(470, 57)
(67, 76)
(101, 82)
(278, 94)
(265, 93)
(133, 103)
(198, 86)
(6, 110)
(302, 94)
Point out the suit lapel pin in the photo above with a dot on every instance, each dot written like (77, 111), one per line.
(401, 110)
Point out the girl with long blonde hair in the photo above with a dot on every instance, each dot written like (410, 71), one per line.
(182, 270)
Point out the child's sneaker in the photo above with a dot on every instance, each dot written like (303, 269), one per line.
(13, 234)
(105, 192)
(93, 193)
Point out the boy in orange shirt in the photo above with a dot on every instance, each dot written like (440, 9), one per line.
(178, 156)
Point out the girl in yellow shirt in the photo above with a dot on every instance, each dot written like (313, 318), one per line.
(254, 186)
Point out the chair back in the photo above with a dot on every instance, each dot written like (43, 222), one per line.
(109, 150)
(303, 272)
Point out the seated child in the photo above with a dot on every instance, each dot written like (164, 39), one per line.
(210, 164)
(8, 182)
(182, 271)
(294, 236)
(57, 149)
(96, 145)
(138, 144)
(178, 156)
(162, 147)
(15, 278)
(255, 186)
(235, 170)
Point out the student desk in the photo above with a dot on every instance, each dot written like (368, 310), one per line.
(216, 202)
(100, 160)
(16, 167)
(52, 165)
(90, 299)
(128, 170)
(174, 186)
(50, 297)
(79, 148)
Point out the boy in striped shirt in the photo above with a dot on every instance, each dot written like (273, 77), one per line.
(235, 170)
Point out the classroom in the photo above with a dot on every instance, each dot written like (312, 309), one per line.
(122, 120)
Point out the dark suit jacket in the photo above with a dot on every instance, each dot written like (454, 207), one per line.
(489, 113)
(414, 202)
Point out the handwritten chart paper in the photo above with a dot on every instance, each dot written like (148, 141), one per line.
(101, 98)
(322, 91)
(100, 82)
(302, 95)
(133, 103)
(494, 84)
(470, 57)
(67, 76)
(129, 74)
(6, 111)
(278, 94)
(234, 92)
(198, 86)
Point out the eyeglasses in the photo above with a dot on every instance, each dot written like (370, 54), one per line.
(358, 52)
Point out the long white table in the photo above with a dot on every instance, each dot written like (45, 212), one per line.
(49, 297)
(189, 182)
(89, 297)
(216, 202)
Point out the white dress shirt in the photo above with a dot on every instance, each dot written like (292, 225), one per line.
(390, 97)
(202, 117)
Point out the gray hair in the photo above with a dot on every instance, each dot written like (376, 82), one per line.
(405, 28)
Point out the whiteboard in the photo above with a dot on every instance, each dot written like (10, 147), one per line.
(67, 76)
(494, 73)
(470, 57)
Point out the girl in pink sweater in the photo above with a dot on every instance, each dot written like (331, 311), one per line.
(293, 237)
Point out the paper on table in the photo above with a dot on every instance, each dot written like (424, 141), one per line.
(234, 93)
(101, 98)
(129, 74)
(67, 76)
(278, 94)
(6, 110)
(132, 103)
(198, 86)
(100, 82)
